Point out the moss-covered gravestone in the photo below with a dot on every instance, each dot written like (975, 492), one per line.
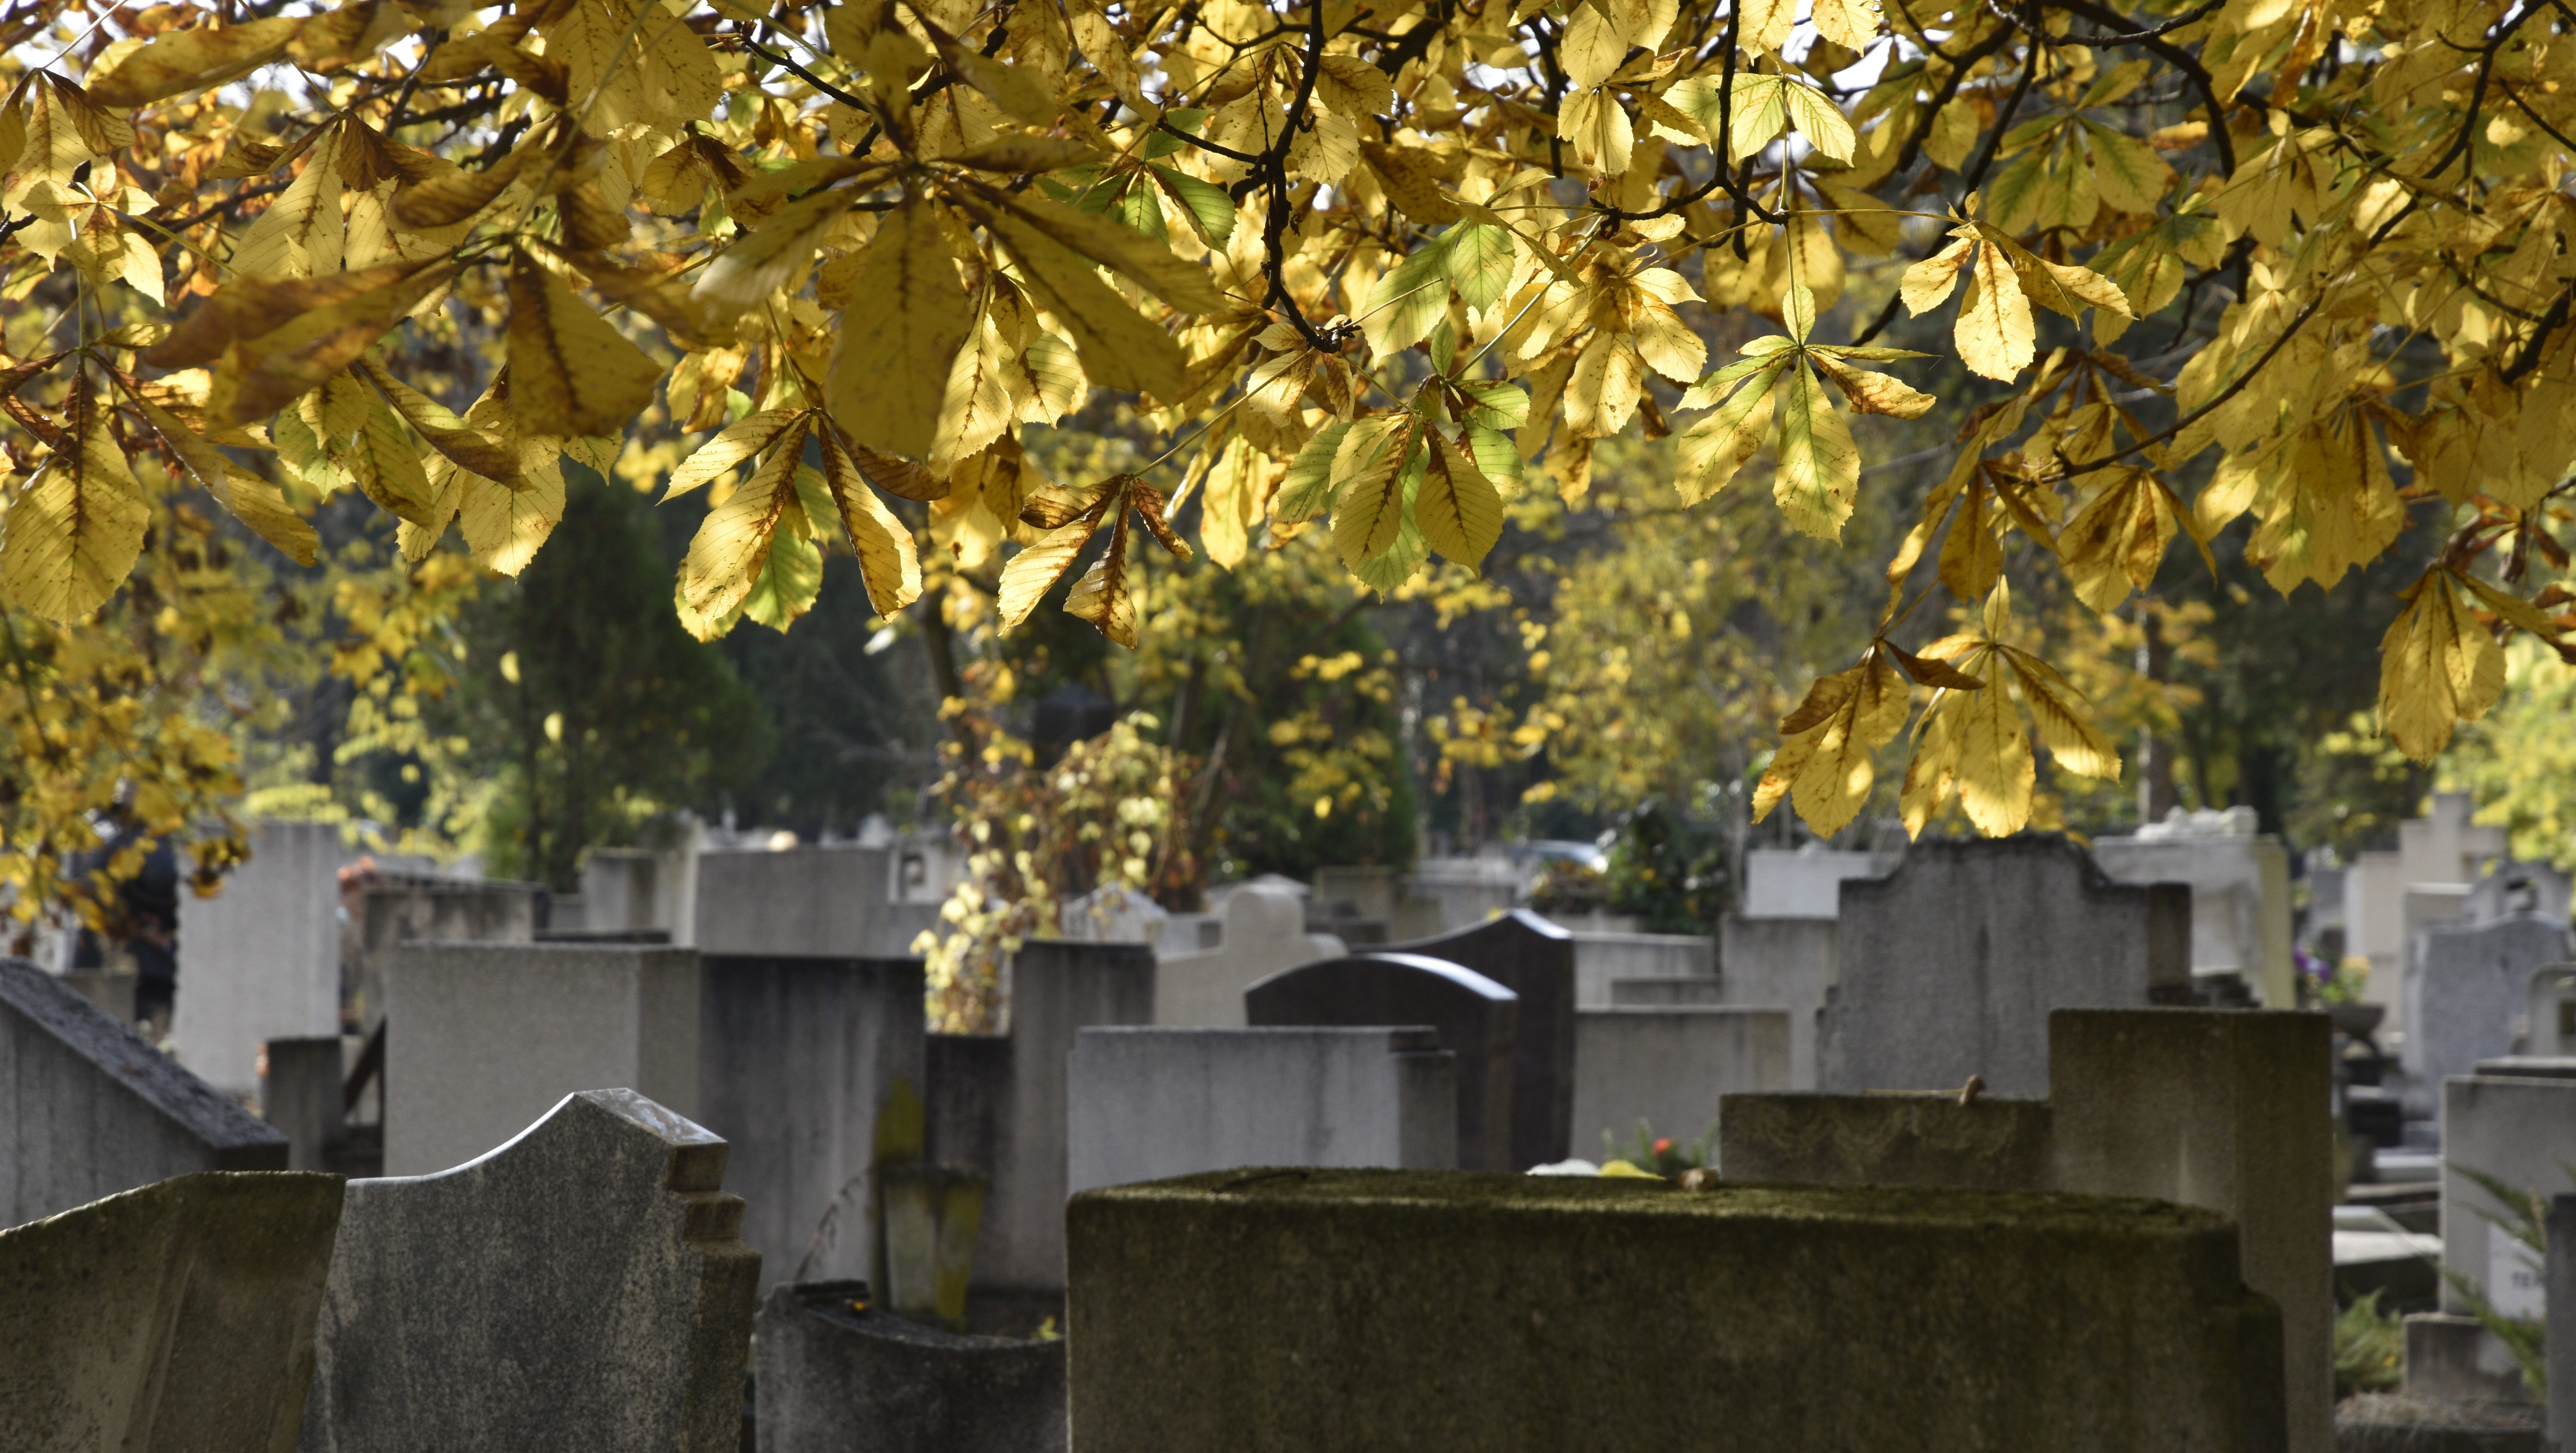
(1327, 1310)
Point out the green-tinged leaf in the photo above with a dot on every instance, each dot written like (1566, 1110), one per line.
(751, 435)
(1307, 490)
(792, 575)
(1819, 474)
(1206, 204)
(1713, 449)
(1479, 264)
(1456, 507)
(1409, 300)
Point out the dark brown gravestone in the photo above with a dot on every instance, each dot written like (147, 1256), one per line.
(1476, 1018)
(1534, 959)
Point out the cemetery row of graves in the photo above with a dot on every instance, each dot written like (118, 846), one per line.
(2010, 1144)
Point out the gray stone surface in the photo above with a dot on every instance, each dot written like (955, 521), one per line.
(1539, 962)
(1666, 992)
(1323, 1311)
(2549, 1012)
(1264, 932)
(482, 1039)
(835, 1377)
(582, 1286)
(1670, 1067)
(637, 889)
(408, 910)
(932, 1215)
(1372, 894)
(301, 1097)
(2452, 1357)
(1602, 958)
(812, 1070)
(1805, 883)
(1780, 963)
(2559, 1336)
(998, 1102)
(2226, 1110)
(88, 1109)
(2240, 900)
(1994, 1143)
(177, 1318)
(2519, 1129)
(831, 901)
(2510, 886)
(260, 960)
(2468, 985)
(1950, 966)
(1476, 1018)
(1151, 1103)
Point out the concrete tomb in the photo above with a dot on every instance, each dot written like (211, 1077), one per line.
(1806, 883)
(2510, 886)
(837, 1375)
(1950, 966)
(836, 901)
(2513, 1121)
(2468, 986)
(1600, 958)
(1332, 1310)
(1670, 1066)
(2240, 892)
(1264, 932)
(2390, 896)
(260, 960)
(998, 1102)
(1540, 963)
(1645, 992)
(1117, 915)
(481, 1039)
(2222, 1109)
(1780, 963)
(88, 1108)
(1476, 1018)
(813, 1071)
(303, 1096)
(1372, 905)
(407, 910)
(640, 889)
(175, 1318)
(2559, 1332)
(582, 1286)
(1151, 1103)
(2549, 1013)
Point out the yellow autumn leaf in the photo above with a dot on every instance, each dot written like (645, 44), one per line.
(887, 562)
(1995, 334)
(570, 373)
(733, 543)
(2437, 667)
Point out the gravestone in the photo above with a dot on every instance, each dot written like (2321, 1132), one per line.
(2549, 1012)
(302, 1096)
(582, 1286)
(1806, 883)
(1336, 1310)
(1670, 1067)
(2510, 886)
(998, 1103)
(1539, 962)
(2240, 892)
(1116, 915)
(1151, 1103)
(1467, 891)
(2559, 1333)
(1601, 957)
(832, 901)
(812, 1070)
(406, 910)
(1950, 966)
(1780, 963)
(1265, 932)
(932, 1215)
(175, 1318)
(1904, 1138)
(635, 889)
(1666, 992)
(88, 1108)
(1347, 898)
(2514, 1121)
(1476, 1018)
(2444, 850)
(260, 960)
(2469, 984)
(836, 1375)
(481, 1039)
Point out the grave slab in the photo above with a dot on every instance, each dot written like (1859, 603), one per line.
(1264, 933)
(830, 901)
(1950, 966)
(1152, 1103)
(1671, 1067)
(1667, 992)
(2468, 985)
(1780, 963)
(812, 1070)
(1890, 1138)
(1476, 1018)
(582, 1286)
(260, 960)
(1323, 1311)
(1779, 883)
(88, 1108)
(2240, 898)
(1541, 963)
(1600, 958)
(176, 1318)
(302, 1097)
(838, 1376)
(481, 1039)
(407, 910)
(2520, 1129)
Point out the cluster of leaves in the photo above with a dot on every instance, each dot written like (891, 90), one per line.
(1398, 264)
(1102, 818)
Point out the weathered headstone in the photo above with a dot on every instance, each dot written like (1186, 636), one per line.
(833, 901)
(260, 960)
(1919, 1138)
(1152, 1103)
(88, 1108)
(835, 1375)
(582, 1286)
(2510, 886)
(998, 1102)
(2513, 1121)
(1539, 962)
(1950, 966)
(630, 889)
(1116, 915)
(1467, 891)
(812, 1070)
(1670, 1067)
(1780, 963)
(1476, 1018)
(2468, 985)
(301, 1095)
(1806, 883)
(1695, 990)
(2549, 1012)
(1265, 932)
(407, 910)
(1600, 958)
(482, 1038)
(2383, 909)
(2240, 892)
(175, 1318)
(1349, 1310)
(1358, 895)
(933, 1214)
